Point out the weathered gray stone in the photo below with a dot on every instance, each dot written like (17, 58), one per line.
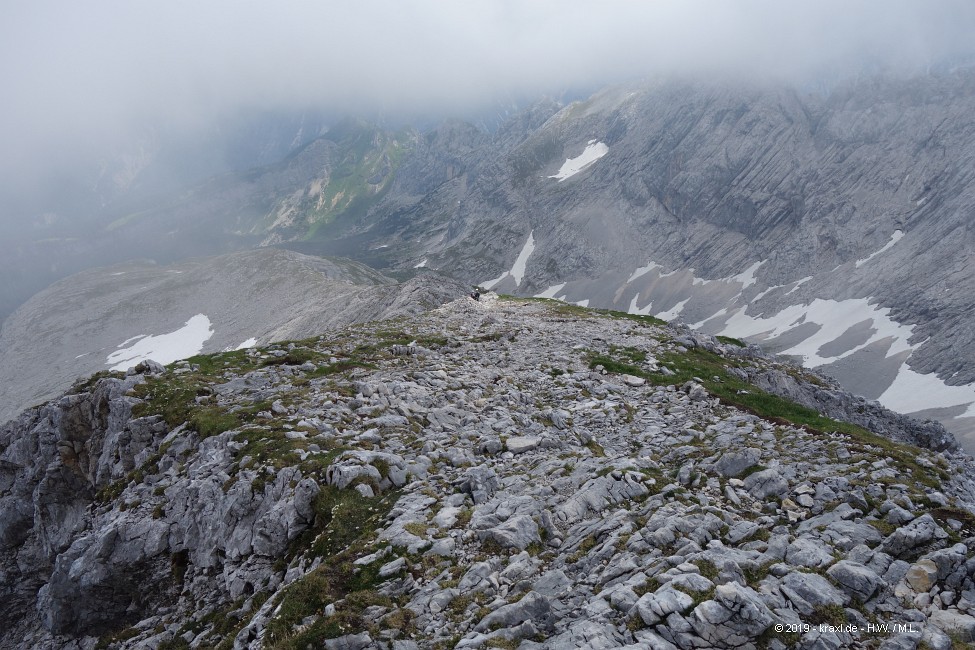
(656, 606)
(521, 444)
(807, 591)
(855, 579)
(733, 463)
(954, 623)
(480, 482)
(349, 642)
(766, 483)
(733, 618)
(922, 575)
(517, 532)
(806, 552)
(533, 607)
(909, 539)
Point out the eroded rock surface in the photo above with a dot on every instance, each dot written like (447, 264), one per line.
(471, 477)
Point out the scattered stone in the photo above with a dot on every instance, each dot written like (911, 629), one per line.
(521, 444)
(922, 575)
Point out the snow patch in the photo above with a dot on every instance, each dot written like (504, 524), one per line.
(896, 237)
(552, 291)
(766, 292)
(164, 348)
(912, 391)
(490, 284)
(834, 317)
(421, 264)
(643, 270)
(249, 343)
(747, 277)
(673, 312)
(572, 166)
(799, 283)
(517, 271)
(583, 303)
(698, 325)
(634, 309)
(127, 341)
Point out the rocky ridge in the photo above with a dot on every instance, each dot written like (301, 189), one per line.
(74, 328)
(503, 473)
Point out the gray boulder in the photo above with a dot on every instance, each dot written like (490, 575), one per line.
(521, 444)
(654, 607)
(733, 618)
(855, 579)
(517, 532)
(733, 463)
(809, 591)
(480, 482)
(909, 539)
(766, 483)
(534, 607)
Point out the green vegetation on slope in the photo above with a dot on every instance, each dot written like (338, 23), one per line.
(712, 371)
(359, 180)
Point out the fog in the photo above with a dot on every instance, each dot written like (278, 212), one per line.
(76, 77)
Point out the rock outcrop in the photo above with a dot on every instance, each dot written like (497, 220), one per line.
(488, 474)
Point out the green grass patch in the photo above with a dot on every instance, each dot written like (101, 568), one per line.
(560, 308)
(116, 637)
(707, 568)
(752, 469)
(629, 354)
(732, 391)
(833, 615)
(596, 449)
(587, 545)
(85, 385)
(294, 357)
(343, 519)
(732, 341)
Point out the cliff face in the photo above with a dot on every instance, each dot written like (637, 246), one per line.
(514, 472)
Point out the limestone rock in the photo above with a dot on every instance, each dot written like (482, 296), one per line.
(733, 618)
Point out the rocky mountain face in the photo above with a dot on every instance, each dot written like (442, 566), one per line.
(503, 473)
(836, 228)
(116, 317)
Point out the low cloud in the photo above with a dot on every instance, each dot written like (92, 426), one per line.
(76, 75)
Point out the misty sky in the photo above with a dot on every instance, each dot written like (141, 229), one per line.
(76, 74)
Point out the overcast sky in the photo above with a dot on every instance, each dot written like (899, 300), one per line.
(74, 73)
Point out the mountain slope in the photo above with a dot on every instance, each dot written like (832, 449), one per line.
(494, 474)
(832, 227)
(805, 208)
(115, 317)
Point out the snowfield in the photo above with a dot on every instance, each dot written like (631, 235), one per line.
(572, 166)
(820, 332)
(164, 348)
